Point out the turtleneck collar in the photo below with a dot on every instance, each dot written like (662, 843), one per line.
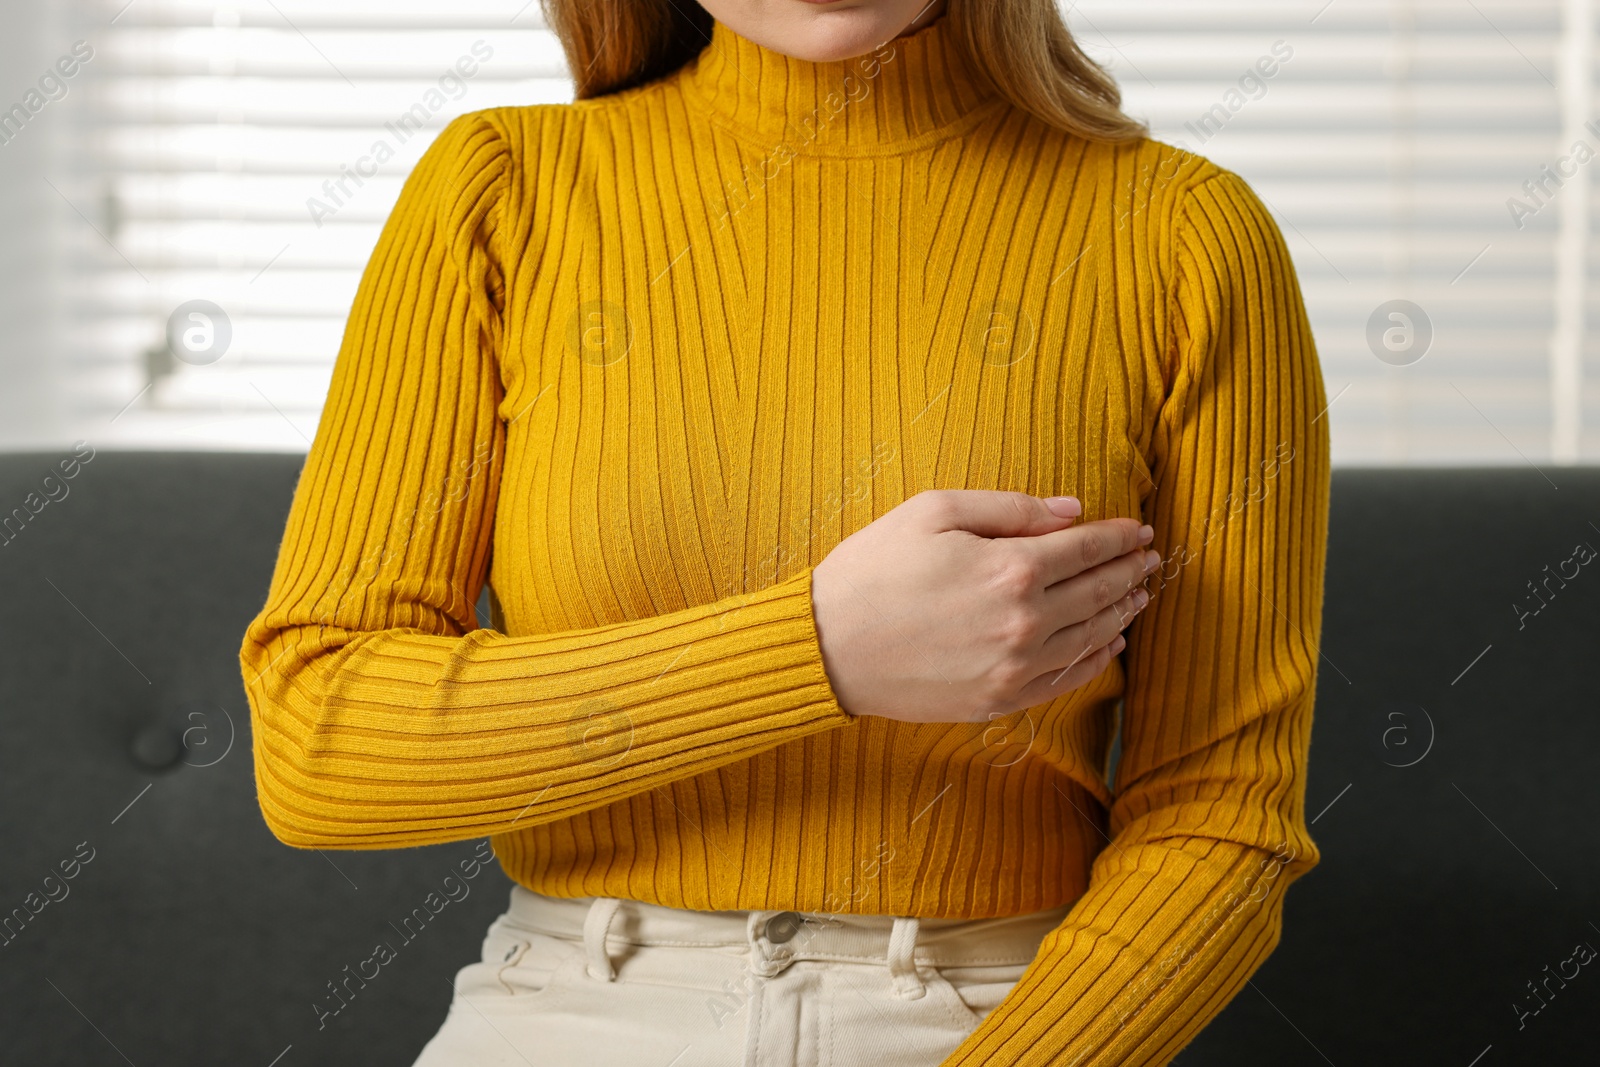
(909, 91)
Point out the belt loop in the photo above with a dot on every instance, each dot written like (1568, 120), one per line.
(902, 961)
(596, 925)
(752, 928)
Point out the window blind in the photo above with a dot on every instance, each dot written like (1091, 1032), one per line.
(239, 160)
(1390, 139)
(242, 157)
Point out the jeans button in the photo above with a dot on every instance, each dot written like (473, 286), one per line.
(782, 926)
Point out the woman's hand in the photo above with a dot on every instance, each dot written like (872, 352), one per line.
(960, 605)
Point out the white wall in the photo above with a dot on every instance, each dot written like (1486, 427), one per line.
(30, 408)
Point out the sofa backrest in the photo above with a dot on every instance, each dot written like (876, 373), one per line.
(1451, 784)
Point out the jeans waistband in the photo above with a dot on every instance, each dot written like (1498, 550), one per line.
(777, 938)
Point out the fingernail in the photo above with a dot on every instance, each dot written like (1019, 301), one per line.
(1066, 507)
(1140, 598)
(1146, 534)
(1151, 558)
(1118, 644)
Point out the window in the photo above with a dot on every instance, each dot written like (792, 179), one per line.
(1412, 150)
(245, 155)
(1401, 144)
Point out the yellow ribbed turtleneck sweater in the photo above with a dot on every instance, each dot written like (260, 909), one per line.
(640, 362)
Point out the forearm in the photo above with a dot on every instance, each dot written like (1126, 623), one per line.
(1169, 933)
(377, 739)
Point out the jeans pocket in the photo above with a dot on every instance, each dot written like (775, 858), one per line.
(975, 990)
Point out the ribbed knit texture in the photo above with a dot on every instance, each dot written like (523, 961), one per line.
(641, 362)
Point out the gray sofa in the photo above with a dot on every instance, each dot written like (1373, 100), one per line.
(1452, 785)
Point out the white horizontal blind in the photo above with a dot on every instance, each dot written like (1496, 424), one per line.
(247, 154)
(1387, 141)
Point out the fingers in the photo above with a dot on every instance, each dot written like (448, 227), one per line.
(1079, 653)
(1062, 554)
(1073, 646)
(1078, 598)
(1079, 650)
(992, 513)
(1053, 683)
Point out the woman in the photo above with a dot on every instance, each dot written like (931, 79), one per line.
(764, 384)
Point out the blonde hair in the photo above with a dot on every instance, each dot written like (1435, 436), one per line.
(1022, 47)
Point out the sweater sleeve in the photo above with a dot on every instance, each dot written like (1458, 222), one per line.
(1207, 829)
(382, 715)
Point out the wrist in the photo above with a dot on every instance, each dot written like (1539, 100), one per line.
(822, 624)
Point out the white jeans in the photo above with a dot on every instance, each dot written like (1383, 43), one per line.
(597, 981)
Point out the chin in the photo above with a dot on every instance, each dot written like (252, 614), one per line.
(823, 33)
